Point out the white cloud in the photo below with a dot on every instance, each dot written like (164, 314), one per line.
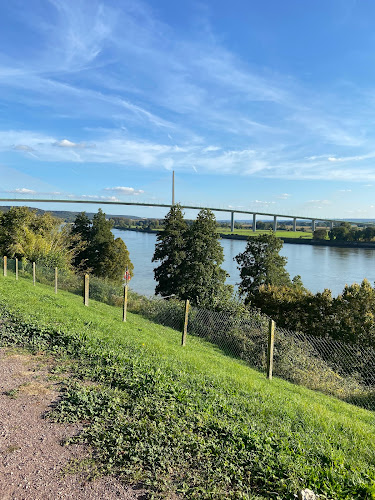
(127, 191)
(21, 191)
(345, 190)
(65, 143)
(284, 196)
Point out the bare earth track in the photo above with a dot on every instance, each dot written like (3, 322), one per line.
(32, 459)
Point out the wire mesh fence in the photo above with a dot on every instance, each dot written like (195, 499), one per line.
(244, 338)
(346, 371)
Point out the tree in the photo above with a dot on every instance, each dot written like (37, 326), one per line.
(320, 234)
(170, 251)
(368, 233)
(38, 238)
(81, 229)
(203, 280)
(100, 253)
(261, 264)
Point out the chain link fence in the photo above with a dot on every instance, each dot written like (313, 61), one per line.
(346, 371)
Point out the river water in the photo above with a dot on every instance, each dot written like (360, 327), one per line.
(320, 267)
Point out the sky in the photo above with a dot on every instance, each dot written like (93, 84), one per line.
(261, 105)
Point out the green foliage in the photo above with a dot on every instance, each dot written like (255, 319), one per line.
(355, 314)
(261, 264)
(170, 251)
(189, 421)
(320, 234)
(345, 232)
(203, 280)
(190, 257)
(348, 317)
(38, 238)
(100, 253)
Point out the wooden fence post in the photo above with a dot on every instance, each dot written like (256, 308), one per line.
(5, 260)
(184, 333)
(271, 340)
(86, 285)
(16, 268)
(55, 279)
(125, 305)
(34, 274)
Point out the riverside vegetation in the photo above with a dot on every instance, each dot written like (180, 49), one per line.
(192, 421)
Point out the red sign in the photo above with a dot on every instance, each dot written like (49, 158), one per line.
(127, 276)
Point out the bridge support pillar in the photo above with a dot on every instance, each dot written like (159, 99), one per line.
(294, 224)
(274, 223)
(313, 225)
(231, 222)
(254, 222)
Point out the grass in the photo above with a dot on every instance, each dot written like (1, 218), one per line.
(279, 234)
(306, 235)
(190, 420)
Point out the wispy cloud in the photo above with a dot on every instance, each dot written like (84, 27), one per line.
(65, 143)
(21, 191)
(23, 147)
(127, 191)
(170, 102)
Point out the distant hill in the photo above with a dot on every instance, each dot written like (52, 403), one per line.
(67, 216)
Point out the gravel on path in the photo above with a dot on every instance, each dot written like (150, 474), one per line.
(32, 459)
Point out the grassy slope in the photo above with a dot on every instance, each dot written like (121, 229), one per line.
(190, 419)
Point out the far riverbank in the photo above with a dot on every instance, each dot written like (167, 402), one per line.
(294, 241)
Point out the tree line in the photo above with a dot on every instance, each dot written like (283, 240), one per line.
(83, 246)
(345, 232)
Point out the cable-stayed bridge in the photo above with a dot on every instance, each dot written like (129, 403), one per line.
(231, 211)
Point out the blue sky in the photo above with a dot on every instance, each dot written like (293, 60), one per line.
(262, 105)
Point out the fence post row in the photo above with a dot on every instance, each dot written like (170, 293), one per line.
(184, 332)
(86, 285)
(271, 340)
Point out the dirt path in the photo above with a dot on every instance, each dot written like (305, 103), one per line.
(31, 456)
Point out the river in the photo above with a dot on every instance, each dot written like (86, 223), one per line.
(320, 267)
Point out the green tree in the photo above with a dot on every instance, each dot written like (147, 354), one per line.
(261, 264)
(354, 310)
(100, 253)
(203, 280)
(81, 229)
(38, 238)
(368, 234)
(170, 252)
(320, 234)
